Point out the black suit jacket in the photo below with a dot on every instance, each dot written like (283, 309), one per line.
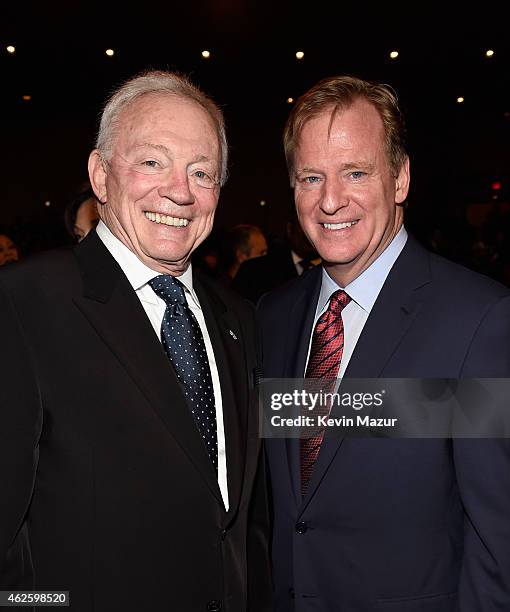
(107, 490)
(405, 524)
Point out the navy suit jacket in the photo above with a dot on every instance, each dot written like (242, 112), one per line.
(396, 524)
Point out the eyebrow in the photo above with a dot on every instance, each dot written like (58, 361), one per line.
(369, 167)
(163, 149)
(306, 169)
(150, 145)
(359, 164)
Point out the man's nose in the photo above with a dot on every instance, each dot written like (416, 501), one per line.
(176, 187)
(334, 197)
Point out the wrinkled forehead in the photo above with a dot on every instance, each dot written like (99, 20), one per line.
(153, 114)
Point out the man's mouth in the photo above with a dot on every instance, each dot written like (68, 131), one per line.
(339, 226)
(166, 219)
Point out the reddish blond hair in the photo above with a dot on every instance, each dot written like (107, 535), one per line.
(339, 93)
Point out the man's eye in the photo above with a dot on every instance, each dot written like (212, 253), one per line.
(203, 179)
(357, 174)
(150, 163)
(310, 179)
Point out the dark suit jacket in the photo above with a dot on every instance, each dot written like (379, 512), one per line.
(107, 490)
(404, 524)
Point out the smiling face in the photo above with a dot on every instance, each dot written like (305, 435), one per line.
(347, 197)
(160, 186)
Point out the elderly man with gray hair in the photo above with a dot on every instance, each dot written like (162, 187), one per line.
(130, 462)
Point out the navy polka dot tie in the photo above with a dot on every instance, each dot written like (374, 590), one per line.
(184, 344)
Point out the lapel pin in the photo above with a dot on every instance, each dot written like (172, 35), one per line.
(232, 334)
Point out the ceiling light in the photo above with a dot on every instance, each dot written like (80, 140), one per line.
(394, 54)
(489, 53)
(300, 54)
(206, 54)
(460, 99)
(110, 52)
(290, 100)
(10, 49)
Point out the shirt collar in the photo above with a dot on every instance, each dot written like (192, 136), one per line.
(296, 259)
(365, 289)
(137, 273)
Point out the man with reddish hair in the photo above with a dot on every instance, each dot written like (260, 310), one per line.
(381, 524)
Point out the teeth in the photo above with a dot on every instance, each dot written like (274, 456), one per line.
(337, 226)
(166, 219)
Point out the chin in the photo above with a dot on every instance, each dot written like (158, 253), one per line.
(337, 252)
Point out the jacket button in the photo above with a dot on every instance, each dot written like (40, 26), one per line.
(214, 606)
(301, 527)
(223, 534)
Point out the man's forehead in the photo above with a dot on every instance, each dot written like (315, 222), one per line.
(358, 126)
(360, 115)
(157, 121)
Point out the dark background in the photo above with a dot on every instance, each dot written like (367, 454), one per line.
(457, 150)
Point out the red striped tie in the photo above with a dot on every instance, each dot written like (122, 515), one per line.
(324, 362)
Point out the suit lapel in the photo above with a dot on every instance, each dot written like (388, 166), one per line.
(115, 312)
(300, 320)
(226, 337)
(392, 315)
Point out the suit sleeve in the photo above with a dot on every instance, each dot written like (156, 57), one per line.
(20, 425)
(483, 474)
(259, 568)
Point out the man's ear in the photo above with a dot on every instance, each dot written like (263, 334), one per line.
(402, 183)
(97, 176)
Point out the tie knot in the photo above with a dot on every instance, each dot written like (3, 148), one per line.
(169, 289)
(338, 301)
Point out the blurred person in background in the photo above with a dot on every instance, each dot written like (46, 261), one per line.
(282, 263)
(8, 250)
(81, 215)
(241, 243)
(206, 257)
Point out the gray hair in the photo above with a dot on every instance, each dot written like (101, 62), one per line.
(164, 83)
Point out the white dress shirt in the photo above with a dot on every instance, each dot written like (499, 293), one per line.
(139, 275)
(363, 292)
